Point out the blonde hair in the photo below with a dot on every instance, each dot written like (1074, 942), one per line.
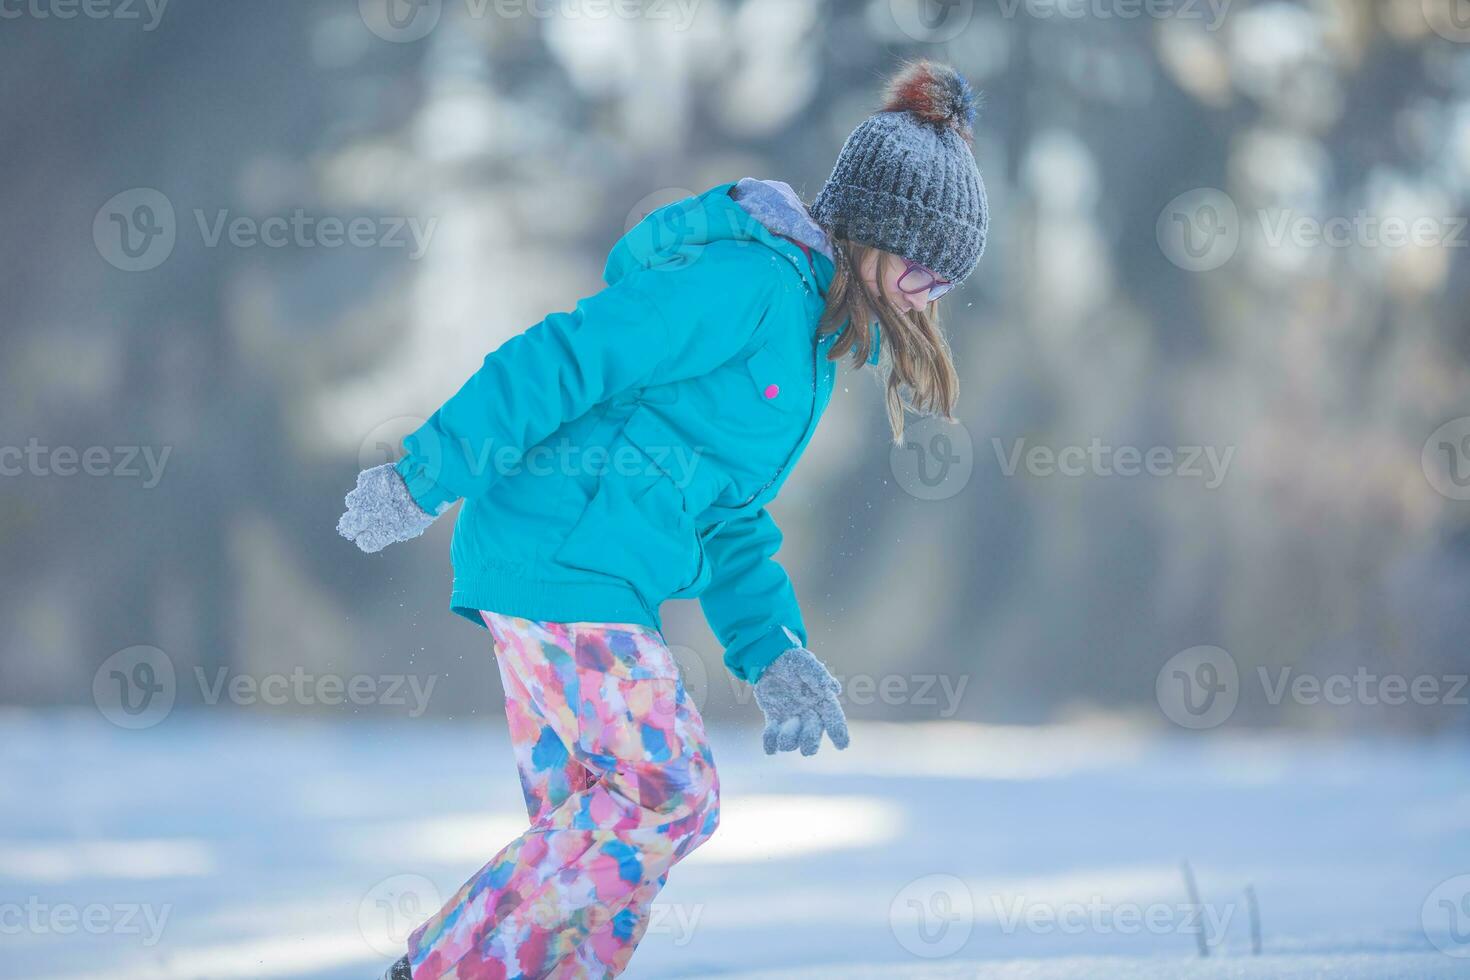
(915, 364)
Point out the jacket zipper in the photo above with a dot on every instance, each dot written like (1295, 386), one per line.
(816, 366)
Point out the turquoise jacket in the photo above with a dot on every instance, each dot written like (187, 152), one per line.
(624, 453)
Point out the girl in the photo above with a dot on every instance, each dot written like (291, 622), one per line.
(625, 453)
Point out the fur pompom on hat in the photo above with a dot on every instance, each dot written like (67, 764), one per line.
(937, 94)
(906, 180)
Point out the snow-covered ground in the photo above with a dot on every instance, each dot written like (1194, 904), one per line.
(259, 847)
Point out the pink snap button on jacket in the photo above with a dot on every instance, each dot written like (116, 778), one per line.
(772, 391)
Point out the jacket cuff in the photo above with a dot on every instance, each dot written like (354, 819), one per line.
(748, 662)
(430, 497)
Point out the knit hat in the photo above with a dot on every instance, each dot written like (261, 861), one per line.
(906, 181)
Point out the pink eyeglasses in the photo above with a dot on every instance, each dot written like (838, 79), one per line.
(917, 278)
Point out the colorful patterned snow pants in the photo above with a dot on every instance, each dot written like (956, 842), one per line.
(620, 785)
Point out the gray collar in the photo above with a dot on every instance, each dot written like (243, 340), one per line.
(774, 204)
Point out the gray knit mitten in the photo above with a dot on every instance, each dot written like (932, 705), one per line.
(799, 698)
(380, 511)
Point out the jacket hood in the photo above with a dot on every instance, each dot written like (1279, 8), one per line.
(774, 204)
(676, 232)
